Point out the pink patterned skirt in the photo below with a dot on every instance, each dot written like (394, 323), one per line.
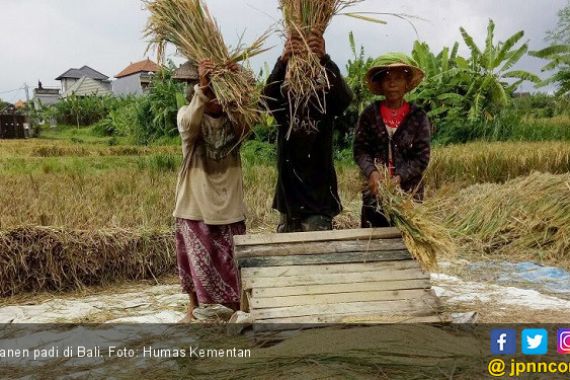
(206, 263)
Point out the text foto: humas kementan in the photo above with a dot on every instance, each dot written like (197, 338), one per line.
(195, 352)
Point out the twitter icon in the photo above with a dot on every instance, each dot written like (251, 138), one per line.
(534, 341)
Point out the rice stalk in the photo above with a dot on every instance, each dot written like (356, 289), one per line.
(188, 25)
(424, 237)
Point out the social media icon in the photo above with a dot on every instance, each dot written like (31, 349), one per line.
(503, 342)
(564, 341)
(534, 341)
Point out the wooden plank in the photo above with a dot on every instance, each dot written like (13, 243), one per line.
(320, 299)
(335, 278)
(314, 248)
(331, 258)
(425, 304)
(296, 323)
(340, 288)
(295, 270)
(355, 234)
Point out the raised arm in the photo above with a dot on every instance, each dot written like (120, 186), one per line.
(189, 119)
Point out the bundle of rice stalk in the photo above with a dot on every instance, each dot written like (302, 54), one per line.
(527, 215)
(424, 237)
(306, 79)
(34, 258)
(188, 25)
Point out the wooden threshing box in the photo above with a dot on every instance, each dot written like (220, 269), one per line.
(344, 276)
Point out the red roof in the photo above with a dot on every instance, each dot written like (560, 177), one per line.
(146, 66)
(20, 104)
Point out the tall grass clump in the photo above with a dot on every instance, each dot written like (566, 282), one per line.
(188, 25)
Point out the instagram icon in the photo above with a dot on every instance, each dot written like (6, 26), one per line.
(564, 341)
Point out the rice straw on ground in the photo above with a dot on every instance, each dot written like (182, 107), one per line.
(527, 215)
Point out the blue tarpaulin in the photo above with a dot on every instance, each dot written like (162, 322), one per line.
(546, 279)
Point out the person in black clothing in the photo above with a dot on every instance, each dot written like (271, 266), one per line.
(391, 134)
(306, 194)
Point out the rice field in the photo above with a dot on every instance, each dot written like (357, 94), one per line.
(121, 199)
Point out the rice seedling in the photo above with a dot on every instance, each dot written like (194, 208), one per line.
(188, 25)
(424, 237)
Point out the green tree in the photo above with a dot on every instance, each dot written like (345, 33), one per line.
(156, 112)
(561, 34)
(491, 71)
(559, 57)
(356, 69)
(3, 105)
(558, 54)
(442, 91)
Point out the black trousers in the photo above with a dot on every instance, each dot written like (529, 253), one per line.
(371, 216)
(304, 223)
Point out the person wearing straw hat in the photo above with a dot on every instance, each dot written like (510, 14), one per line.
(307, 191)
(391, 133)
(210, 207)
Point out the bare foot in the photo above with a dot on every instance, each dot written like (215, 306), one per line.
(188, 319)
(192, 304)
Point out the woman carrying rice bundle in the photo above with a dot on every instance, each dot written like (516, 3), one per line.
(306, 194)
(209, 202)
(392, 133)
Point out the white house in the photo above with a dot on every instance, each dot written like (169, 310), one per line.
(84, 81)
(45, 96)
(135, 78)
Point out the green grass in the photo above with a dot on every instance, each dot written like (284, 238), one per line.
(82, 135)
(542, 129)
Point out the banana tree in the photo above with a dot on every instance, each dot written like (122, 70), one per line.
(559, 56)
(491, 70)
(356, 70)
(441, 92)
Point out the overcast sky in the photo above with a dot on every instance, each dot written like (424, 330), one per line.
(41, 39)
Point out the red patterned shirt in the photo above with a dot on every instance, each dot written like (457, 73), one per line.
(392, 119)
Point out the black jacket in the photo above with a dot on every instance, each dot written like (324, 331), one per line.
(307, 182)
(410, 146)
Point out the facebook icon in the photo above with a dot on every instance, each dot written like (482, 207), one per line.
(503, 342)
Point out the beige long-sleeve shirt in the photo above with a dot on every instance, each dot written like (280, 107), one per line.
(209, 189)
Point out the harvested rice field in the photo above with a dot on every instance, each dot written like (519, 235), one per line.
(78, 215)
